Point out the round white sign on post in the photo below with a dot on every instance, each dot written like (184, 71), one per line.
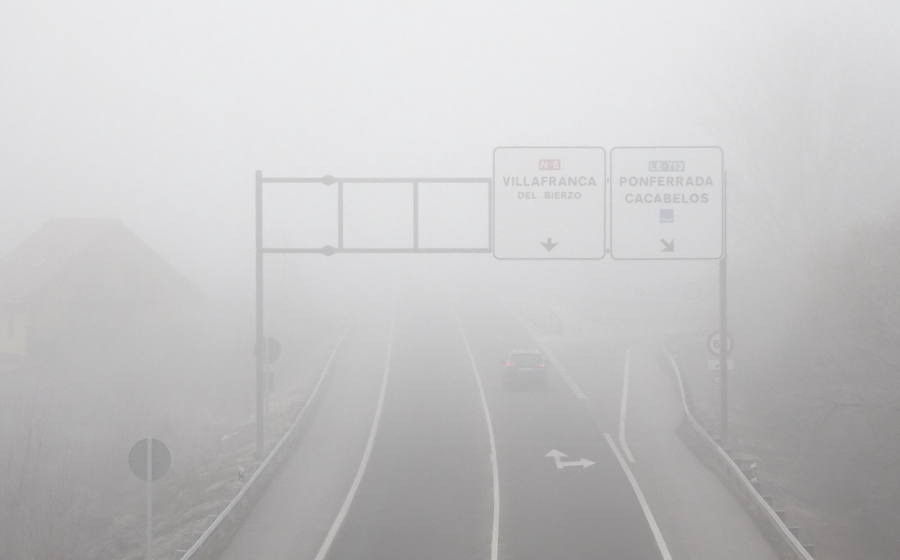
(714, 344)
(160, 462)
(272, 350)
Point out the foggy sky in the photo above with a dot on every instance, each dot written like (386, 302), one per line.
(158, 113)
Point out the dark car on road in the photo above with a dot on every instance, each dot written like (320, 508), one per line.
(524, 369)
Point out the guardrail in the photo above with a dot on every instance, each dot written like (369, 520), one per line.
(213, 541)
(771, 523)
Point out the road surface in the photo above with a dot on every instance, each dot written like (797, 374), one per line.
(419, 451)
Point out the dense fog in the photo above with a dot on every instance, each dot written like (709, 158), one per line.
(131, 135)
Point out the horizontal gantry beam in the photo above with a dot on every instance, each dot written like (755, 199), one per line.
(329, 250)
(331, 180)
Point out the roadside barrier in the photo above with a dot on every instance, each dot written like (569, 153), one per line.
(742, 482)
(215, 539)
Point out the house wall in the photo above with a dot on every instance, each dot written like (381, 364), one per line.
(114, 304)
(13, 333)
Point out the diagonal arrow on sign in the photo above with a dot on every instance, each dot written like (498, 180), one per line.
(558, 457)
(668, 245)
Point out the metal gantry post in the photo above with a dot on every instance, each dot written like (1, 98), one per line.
(260, 332)
(415, 187)
(723, 345)
(340, 216)
(149, 489)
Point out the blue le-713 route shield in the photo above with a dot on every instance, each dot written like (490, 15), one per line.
(549, 203)
(667, 203)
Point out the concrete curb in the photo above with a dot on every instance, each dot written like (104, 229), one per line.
(782, 538)
(215, 539)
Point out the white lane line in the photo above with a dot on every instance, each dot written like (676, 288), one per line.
(239, 497)
(370, 443)
(623, 410)
(635, 487)
(326, 370)
(679, 378)
(642, 500)
(495, 471)
(562, 371)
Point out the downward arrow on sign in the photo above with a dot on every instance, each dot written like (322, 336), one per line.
(558, 456)
(549, 244)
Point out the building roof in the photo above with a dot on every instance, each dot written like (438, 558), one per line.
(46, 254)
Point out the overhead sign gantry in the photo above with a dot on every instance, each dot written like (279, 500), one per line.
(550, 203)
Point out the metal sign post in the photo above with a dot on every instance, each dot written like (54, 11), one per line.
(724, 346)
(149, 554)
(260, 333)
(149, 460)
(669, 203)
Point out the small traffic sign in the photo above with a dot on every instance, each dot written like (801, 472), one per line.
(160, 461)
(667, 203)
(713, 364)
(549, 203)
(714, 344)
(273, 350)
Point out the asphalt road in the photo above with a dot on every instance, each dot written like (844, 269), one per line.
(417, 442)
(548, 512)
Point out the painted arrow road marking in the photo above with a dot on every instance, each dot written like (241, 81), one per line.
(558, 457)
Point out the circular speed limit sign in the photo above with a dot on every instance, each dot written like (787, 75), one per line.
(714, 344)
(160, 459)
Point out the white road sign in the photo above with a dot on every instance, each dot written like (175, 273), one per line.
(714, 344)
(549, 203)
(715, 365)
(667, 203)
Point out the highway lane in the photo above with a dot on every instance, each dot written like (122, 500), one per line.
(698, 516)
(547, 512)
(427, 487)
(426, 492)
(294, 514)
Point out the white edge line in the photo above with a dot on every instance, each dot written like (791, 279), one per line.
(639, 494)
(642, 500)
(495, 471)
(677, 371)
(623, 410)
(370, 443)
(325, 372)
